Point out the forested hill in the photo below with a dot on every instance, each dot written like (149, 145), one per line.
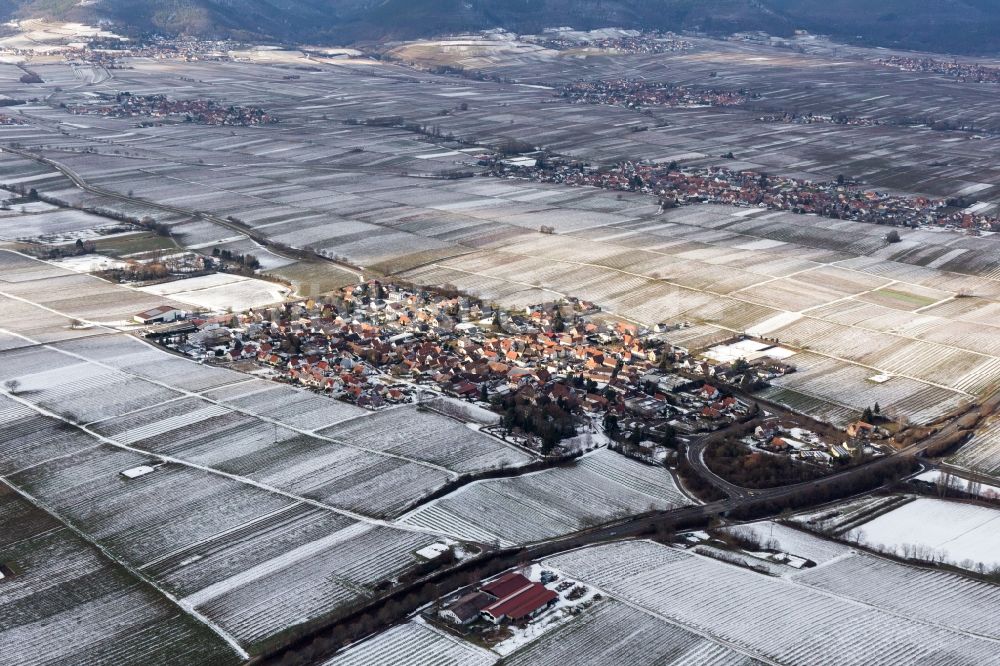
(956, 26)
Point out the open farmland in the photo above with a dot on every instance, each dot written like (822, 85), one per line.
(220, 291)
(427, 436)
(595, 488)
(67, 603)
(615, 632)
(963, 535)
(772, 619)
(982, 452)
(413, 644)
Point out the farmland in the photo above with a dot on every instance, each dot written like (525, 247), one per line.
(776, 620)
(959, 534)
(238, 511)
(109, 615)
(293, 492)
(596, 488)
(413, 644)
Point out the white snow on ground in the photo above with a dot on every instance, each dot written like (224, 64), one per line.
(220, 291)
(792, 541)
(775, 619)
(960, 484)
(89, 263)
(961, 534)
(412, 644)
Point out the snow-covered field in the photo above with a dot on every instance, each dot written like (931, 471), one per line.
(792, 541)
(413, 644)
(613, 632)
(778, 620)
(428, 436)
(596, 488)
(221, 291)
(67, 603)
(930, 529)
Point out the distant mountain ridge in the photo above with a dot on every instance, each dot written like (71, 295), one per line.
(958, 26)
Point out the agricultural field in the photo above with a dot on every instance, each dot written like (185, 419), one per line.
(772, 619)
(595, 488)
(614, 632)
(430, 437)
(959, 534)
(67, 603)
(366, 193)
(251, 560)
(221, 291)
(982, 452)
(413, 644)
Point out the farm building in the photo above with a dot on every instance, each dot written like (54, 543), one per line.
(467, 607)
(517, 599)
(158, 315)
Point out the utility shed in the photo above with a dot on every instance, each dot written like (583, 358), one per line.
(136, 472)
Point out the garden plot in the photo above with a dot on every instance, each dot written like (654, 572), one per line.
(428, 436)
(763, 616)
(413, 644)
(827, 386)
(963, 535)
(138, 358)
(982, 452)
(221, 291)
(596, 488)
(67, 603)
(23, 325)
(611, 632)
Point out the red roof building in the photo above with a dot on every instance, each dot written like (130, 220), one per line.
(506, 585)
(522, 604)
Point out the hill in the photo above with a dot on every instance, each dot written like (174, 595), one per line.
(959, 26)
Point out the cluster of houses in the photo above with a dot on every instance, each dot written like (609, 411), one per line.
(511, 598)
(636, 94)
(963, 71)
(639, 43)
(802, 444)
(203, 111)
(675, 186)
(380, 344)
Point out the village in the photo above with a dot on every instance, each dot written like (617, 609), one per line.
(963, 71)
(558, 373)
(202, 111)
(842, 199)
(635, 94)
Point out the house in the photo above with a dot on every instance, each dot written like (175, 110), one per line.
(158, 315)
(860, 429)
(466, 608)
